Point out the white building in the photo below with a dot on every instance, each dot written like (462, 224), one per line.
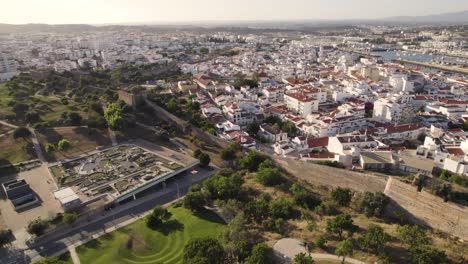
(301, 104)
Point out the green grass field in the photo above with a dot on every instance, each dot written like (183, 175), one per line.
(137, 243)
(4, 99)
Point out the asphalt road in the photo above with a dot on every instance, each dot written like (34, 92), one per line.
(51, 245)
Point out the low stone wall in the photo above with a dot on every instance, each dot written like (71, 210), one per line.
(426, 209)
(328, 176)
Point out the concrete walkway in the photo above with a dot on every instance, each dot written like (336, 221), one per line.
(8, 124)
(320, 256)
(73, 255)
(37, 146)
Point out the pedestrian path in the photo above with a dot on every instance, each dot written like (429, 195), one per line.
(73, 255)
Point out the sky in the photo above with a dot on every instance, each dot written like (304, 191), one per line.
(141, 11)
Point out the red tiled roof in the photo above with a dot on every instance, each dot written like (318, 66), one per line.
(455, 151)
(317, 142)
(402, 128)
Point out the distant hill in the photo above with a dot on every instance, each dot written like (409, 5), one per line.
(456, 18)
(9, 28)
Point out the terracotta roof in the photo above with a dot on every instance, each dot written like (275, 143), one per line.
(317, 142)
(455, 151)
(301, 97)
(402, 128)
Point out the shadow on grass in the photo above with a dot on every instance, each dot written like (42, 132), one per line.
(209, 216)
(93, 244)
(169, 227)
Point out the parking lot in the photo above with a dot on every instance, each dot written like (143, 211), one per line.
(41, 182)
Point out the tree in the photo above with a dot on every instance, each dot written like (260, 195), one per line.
(194, 201)
(320, 241)
(261, 254)
(21, 132)
(303, 197)
(341, 196)
(204, 160)
(281, 208)
(412, 235)
(113, 116)
(158, 217)
(427, 255)
(269, 177)
(5, 237)
(223, 187)
(374, 239)
(229, 208)
(303, 258)
(209, 249)
(340, 223)
(251, 161)
(373, 204)
(49, 148)
(259, 209)
(253, 129)
(37, 227)
(236, 236)
(74, 118)
(197, 153)
(63, 144)
(327, 208)
(69, 218)
(229, 153)
(344, 249)
(465, 126)
(290, 128)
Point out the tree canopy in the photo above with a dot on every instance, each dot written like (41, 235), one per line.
(204, 250)
(345, 248)
(303, 258)
(341, 196)
(251, 161)
(21, 132)
(158, 216)
(261, 254)
(374, 239)
(340, 223)
(373, 204)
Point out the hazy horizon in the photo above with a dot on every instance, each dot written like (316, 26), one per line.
(185, 11)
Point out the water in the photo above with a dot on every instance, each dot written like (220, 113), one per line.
(387, 56)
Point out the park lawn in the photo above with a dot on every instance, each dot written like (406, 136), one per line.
(5, 110)
(15, 150)
(51, 109)
(137, 243)
(83, 140)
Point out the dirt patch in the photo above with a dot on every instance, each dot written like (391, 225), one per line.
(83, 140)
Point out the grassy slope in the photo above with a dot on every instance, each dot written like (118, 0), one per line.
(149, 246)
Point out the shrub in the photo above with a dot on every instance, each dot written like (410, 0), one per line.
(69, 218)
(37, 227)
(281, 208)
(342, 196)
(63, 144)
(269, 177)
(373, 204)
(251, 161)
(320, 241)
